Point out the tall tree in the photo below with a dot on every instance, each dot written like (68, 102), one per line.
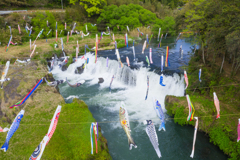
(91, 6)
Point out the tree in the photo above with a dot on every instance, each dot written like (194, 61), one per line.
(131, 15)
(91, 6)
(217, 24)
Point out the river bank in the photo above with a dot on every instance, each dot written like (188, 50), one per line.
(222, 132)
(72, 137)
(46, 49)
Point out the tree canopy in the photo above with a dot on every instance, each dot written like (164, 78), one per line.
(91, 6)
(133, 16)
(217, 23)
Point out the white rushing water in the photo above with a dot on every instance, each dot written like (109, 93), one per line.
(128, 85)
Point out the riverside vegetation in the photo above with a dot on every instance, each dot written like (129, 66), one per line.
(213, 24)
(71, 138)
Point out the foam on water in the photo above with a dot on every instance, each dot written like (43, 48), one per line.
(129, 86)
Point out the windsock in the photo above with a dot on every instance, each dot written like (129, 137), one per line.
(62, 44)
(33, 50)
(150, 55)
(144, 46)
(133, 52)
(107, 61)
(147, 61)
(115, 45)
(238, 130)
(19, 29)
(127, 60)
(160, 44)
(30, 31)
(8, 43)
(73, 27)
(191, 109)
(56, 35)
(127, 29)
(186, 79)
(199, 75)
(217, 105)
(147, 38)
(162, 63)
(167, 63)
(166, 35)
(195, 136)
(127, 39)
(10, 30)
(94, 129)
(159, 33)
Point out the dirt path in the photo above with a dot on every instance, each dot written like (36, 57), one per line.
(29, 11)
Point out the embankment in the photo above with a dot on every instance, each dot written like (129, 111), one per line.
(222, 132)
(71, 139)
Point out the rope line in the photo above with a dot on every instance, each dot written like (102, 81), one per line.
(134, 120)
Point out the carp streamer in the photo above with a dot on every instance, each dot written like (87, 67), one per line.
(194, 138)
(94, 129)
(28, 95)
(167, 62)
(111, 84)
(186, 79)
(191, 109)
(216, 102)
(147, 88)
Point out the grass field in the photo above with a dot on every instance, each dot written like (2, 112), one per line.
(71, 139)
(43, 47)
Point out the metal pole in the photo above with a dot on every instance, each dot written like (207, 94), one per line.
(62, 4)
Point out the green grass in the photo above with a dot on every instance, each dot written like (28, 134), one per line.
(71, 139)
(222, 132)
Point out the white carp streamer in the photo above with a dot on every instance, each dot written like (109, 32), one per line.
(186, 79)
(73, 27)
(33, 50)
(127, 60)
(159, 33)
(19, 29)
(37, 153)
(151, 132)
(144, 46)
(54, 122)
(150, 55)
(194, 138)
(128, 28)
(133, 53)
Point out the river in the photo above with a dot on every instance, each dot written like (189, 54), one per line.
(129, 86)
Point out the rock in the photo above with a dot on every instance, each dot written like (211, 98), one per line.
(79, 70)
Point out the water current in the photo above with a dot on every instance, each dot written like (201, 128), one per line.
(129, 86)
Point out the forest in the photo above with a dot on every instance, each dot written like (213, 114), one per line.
(214, 23)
